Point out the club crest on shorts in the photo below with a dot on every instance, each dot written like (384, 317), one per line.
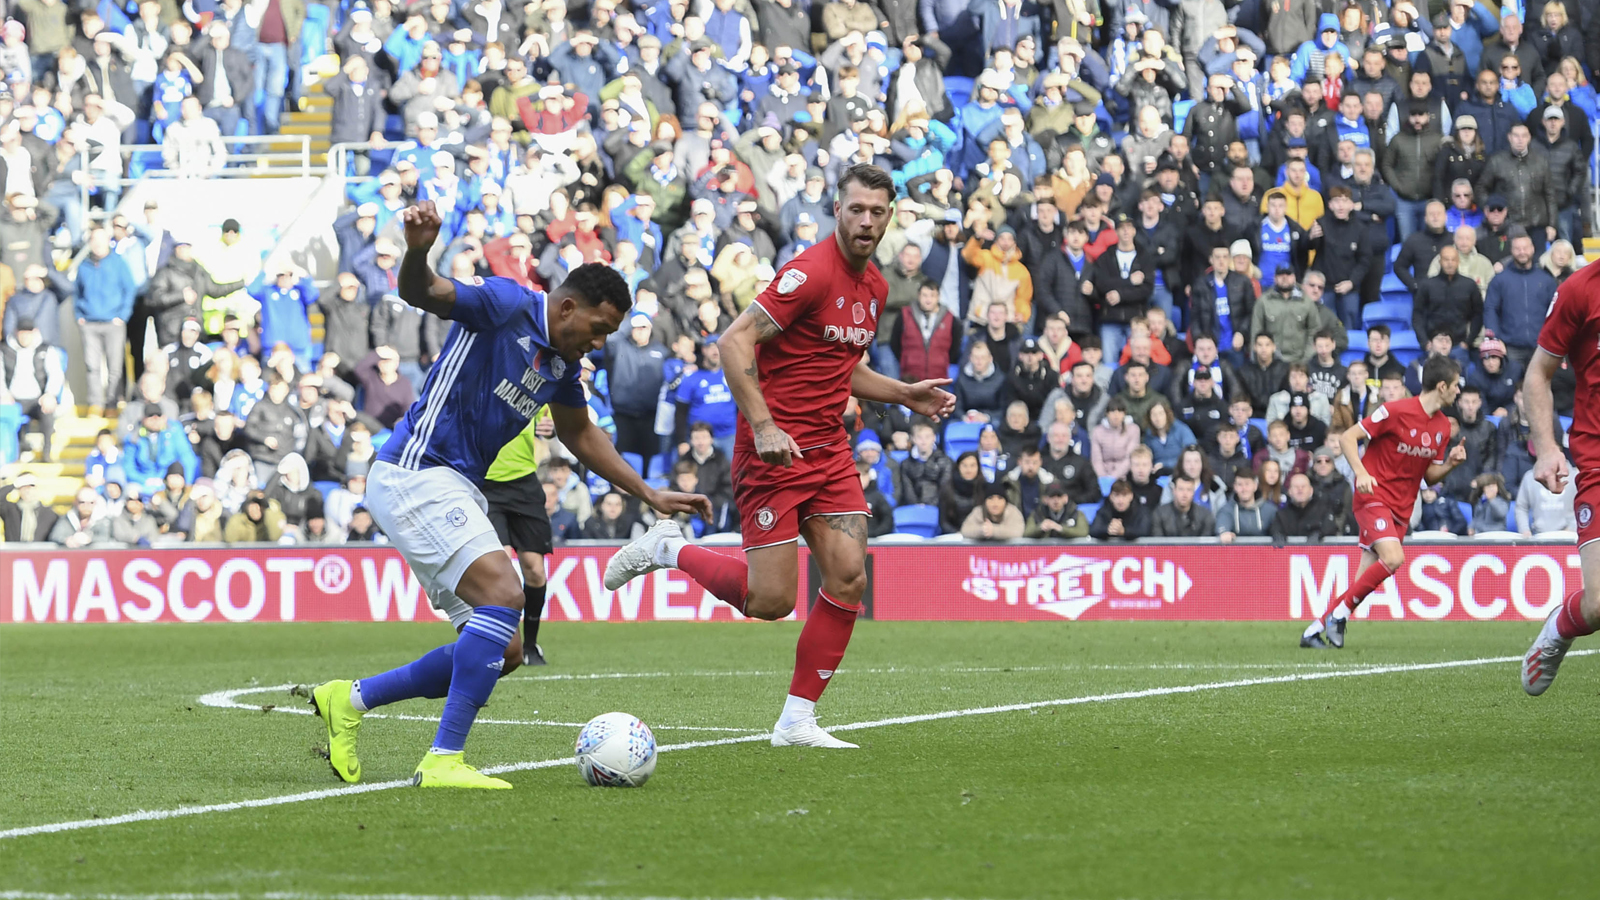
(766, 518)
(859, 313)
(456, 517)
(1585, 515)
(1381, 524)
(791, 279)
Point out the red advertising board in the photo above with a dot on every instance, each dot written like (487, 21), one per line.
(950, 582)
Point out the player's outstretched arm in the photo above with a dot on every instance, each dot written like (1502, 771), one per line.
(927, 398)
(594, 449)
(1550, 465)
(1350, 443)
(418, 284)
(738, 346)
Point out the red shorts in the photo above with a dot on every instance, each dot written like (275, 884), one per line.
(773, 500)
(1586, 504)
(1378, 523)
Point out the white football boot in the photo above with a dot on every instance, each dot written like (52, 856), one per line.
(1544, 658)
(639, 557)
(807, 733)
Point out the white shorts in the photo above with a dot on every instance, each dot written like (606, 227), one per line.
(438, 521)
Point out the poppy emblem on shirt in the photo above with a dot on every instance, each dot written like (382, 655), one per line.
(859, 313)
(1585, 515)
(766, 518)
(1427, 439)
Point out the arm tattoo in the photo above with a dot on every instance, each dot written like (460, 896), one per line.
(766, 329)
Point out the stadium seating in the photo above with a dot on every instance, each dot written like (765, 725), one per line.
(1106, 481)
(1260, 423)
(959, 437)
(1394, 313)
(324, 487)
(1088, 510)
(1566, 423)
(1404, 346)
(900, 537)
(635, 460)
(1466, 509)
(918, 518)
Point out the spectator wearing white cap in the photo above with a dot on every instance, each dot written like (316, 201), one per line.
(420, 150)
(192, 146)
(23, 514)
(355, 231)
(635, 365)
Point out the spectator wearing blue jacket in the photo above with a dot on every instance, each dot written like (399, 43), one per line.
(631, 219)
(404, 45)
(1514, 307)
(1308, 56)
(285, 303)
(703, 396)
(984, 109)
(1469, 25)
(1026, 154)
(155, 449)
(105, 291)
(1440, 512)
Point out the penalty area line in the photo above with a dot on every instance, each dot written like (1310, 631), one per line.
(306, 895)
(353, 789)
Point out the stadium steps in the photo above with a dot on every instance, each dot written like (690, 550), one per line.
(314, 119)
(74, 441)
(1591, 248)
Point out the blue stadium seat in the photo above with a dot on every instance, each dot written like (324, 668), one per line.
(1466, 510)
(635, 460)
(958, 89)
(1394, 313)
(955, 372)
(1088, 511)
(1511, 517)
(1492, 420)
(1260, 423)
(959, 437)
(1393, 285)
(1106, 481)
(899, 456)
(659, 484)
(1351, 355)
(1404, 346)
(324, 487)
(1357, 338)
(381, 438)
(917, 518)
(1180, 112)
(658, 466)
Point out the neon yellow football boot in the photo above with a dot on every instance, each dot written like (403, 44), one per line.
(332, 703)
(450, 770)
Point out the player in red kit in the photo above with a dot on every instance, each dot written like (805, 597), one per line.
(1571, 331)
(800, 345)
(1408, 442)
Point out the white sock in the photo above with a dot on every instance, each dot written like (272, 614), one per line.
(1341, 612)
(797, 710)
(355, 697)
(667, 552)
(1314, 628)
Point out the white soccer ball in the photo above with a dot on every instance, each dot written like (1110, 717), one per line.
(616, 750)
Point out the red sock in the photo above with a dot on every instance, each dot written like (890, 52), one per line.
(1371, 578)
(724, 576)
(1570, 621)
(821, 647)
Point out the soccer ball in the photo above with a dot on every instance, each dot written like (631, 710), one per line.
(616, 750)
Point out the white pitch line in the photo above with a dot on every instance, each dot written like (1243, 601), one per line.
(303, 895)
(228, 700)
(937, 670)
(347, 790)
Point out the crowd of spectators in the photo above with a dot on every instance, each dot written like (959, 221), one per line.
(1169, 252)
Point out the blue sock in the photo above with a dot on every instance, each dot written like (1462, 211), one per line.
(479, 656)
(428, 677)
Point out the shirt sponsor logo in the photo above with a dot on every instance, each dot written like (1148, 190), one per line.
(860, 337)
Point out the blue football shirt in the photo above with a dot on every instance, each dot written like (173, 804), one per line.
(710, 402)
(496, 371)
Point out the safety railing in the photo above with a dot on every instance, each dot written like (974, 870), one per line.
(340, 163)
(246, 156)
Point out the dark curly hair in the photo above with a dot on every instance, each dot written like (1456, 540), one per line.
(595, 283)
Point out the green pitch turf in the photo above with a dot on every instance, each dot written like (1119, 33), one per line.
(1443, 782)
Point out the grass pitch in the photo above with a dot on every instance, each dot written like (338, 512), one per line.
(1372, 779)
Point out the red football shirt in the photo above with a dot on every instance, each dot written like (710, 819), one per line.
(1403, 441)
(1572, 330)
(829, 316)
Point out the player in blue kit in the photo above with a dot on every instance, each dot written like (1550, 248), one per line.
(510, 353)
